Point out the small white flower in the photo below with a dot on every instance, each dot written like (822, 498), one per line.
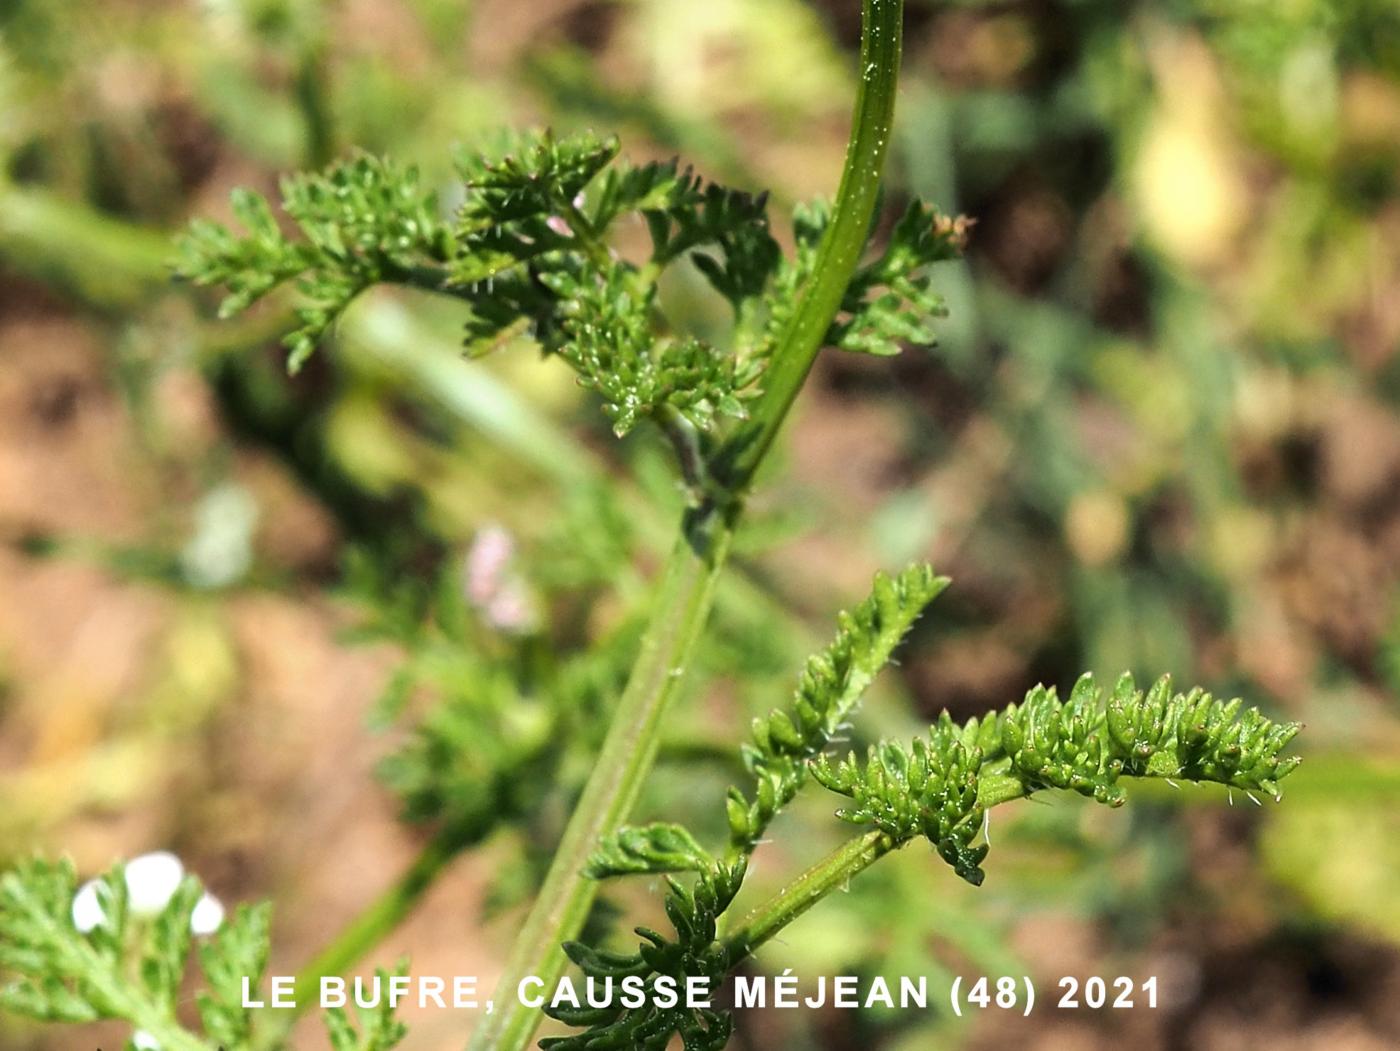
(151, 881)
(208, 915)
(87, 908)
(144, 1041)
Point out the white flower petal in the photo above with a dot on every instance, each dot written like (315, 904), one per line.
(151, 881)
(88, 913)
(144, 1041)
(208, 915)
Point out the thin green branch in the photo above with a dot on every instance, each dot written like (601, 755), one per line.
(564, 900)
(587, 236)
(832, 872)
(837, 869)
(685, 440)
(104, 261)
(313, 94)
(841, 246)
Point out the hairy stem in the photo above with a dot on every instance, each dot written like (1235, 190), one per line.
(832, 872)
(837, 869)
(687, 588)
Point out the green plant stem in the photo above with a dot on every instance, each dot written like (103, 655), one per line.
(837, 869)
(681, 606)
(832, 872)
(685, 440)
(106, 262)
(840, 250)
(687, 588)
(993, 789)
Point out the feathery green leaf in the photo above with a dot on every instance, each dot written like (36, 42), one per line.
(650, 849)
(890, 301)
(828, 692)
(939, 787)
(694, 952)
